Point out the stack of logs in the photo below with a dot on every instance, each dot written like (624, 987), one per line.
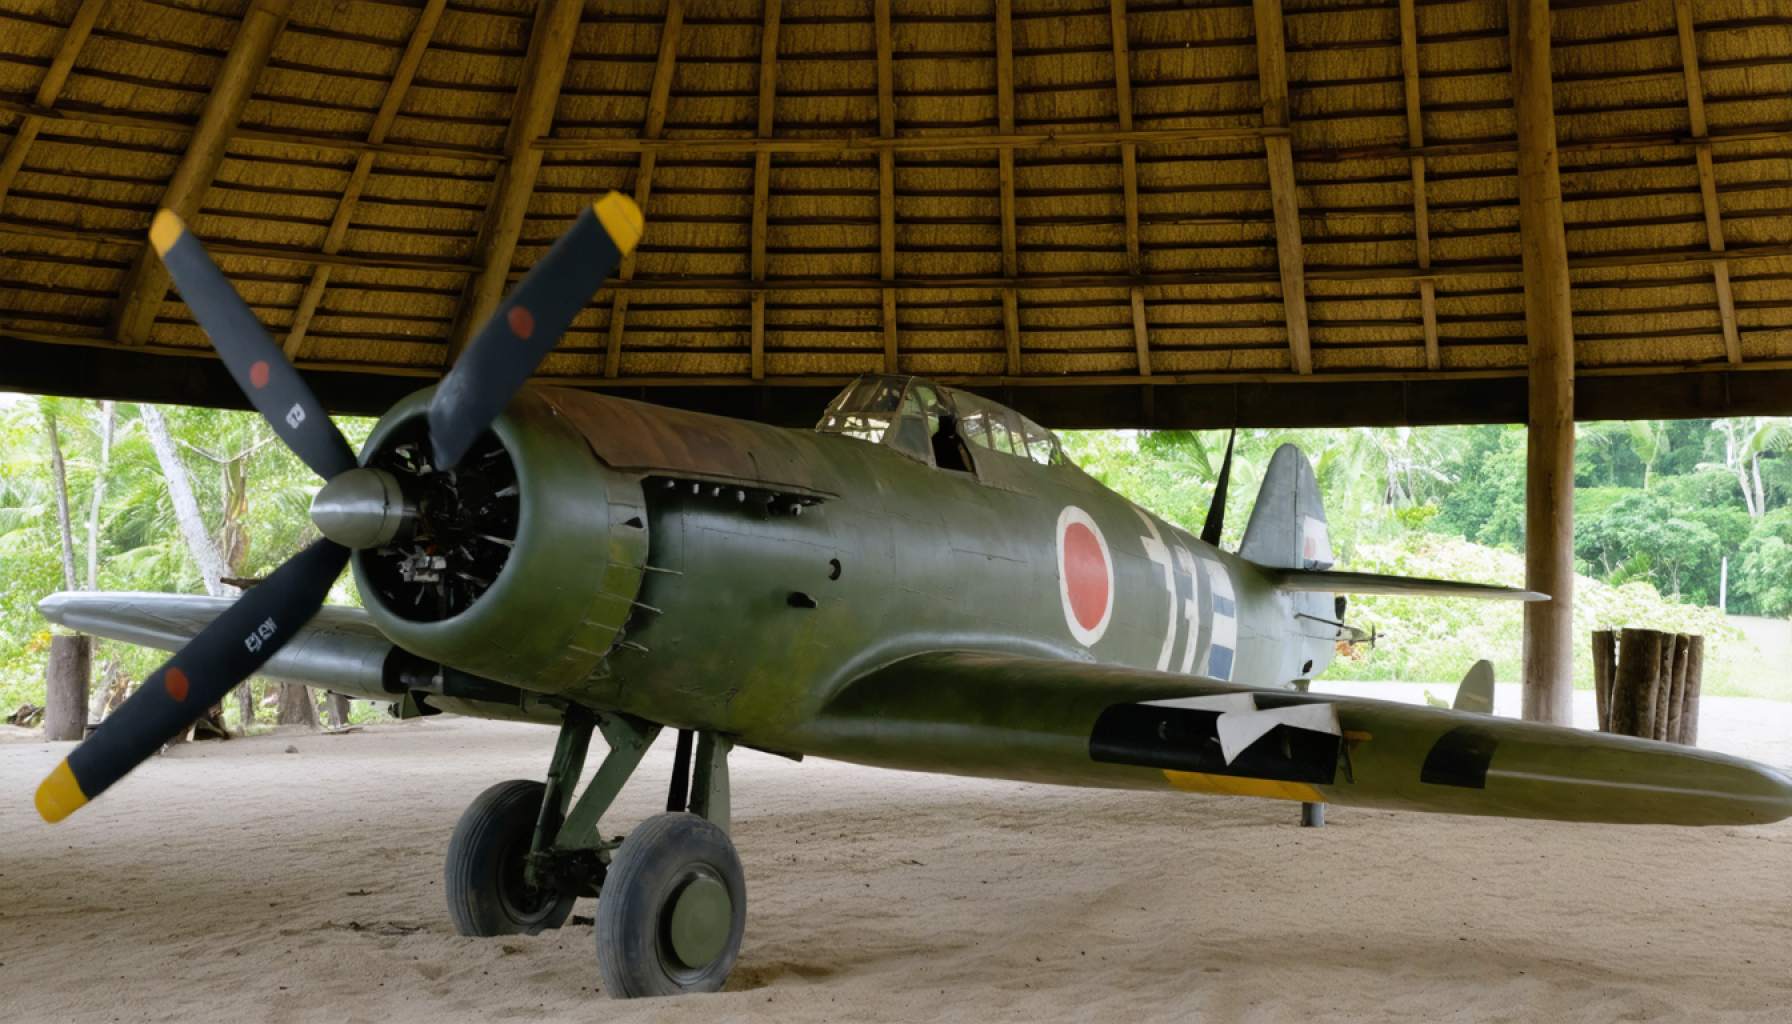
(1647, 683)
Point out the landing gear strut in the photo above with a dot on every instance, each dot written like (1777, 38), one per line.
(672, 898)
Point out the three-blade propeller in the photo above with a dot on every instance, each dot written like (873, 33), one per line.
(501, 358)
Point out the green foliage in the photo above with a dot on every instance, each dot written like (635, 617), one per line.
(139, 545)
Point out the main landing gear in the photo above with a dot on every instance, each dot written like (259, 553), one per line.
(672, 900)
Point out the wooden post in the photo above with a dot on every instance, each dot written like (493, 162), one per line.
(65, 686)
(1664, 688)
(339, 709)
(1549, 483)
(1605, 659)
(1676, 690)
(1633, 686)
(1689, 701)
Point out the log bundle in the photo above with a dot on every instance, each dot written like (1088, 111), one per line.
(1647, 683)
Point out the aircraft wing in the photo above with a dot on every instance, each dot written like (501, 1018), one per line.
(1330, 582)
(1067, 722)
(338, 650)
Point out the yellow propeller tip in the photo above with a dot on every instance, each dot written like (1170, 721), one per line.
(622, 219)
(59, 795)
(165, 231)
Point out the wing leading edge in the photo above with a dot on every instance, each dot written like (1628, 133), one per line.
(1073, 723)
(339, 649)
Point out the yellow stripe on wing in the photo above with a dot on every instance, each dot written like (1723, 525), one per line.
(1235, 785)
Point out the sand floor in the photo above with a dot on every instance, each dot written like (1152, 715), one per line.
(239, 882)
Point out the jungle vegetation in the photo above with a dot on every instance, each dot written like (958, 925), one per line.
(1660, 508)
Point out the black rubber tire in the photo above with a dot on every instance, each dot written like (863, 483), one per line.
(484, 874)
(653, 864)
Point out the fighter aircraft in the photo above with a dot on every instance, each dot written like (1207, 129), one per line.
(924, 581)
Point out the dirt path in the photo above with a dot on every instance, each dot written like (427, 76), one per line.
(239, 882)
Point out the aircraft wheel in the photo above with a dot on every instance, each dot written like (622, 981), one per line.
(487, 894)
(672, 911)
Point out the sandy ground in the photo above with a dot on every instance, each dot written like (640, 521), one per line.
(240, 882)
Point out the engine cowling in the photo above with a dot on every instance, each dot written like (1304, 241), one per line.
(522, 564)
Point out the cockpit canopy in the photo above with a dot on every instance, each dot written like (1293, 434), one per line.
(916, 416)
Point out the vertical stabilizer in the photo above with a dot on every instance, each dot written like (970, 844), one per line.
(1476, 692)
(1287, 528)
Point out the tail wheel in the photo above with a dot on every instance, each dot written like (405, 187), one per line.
(673, 910)
(488, 892)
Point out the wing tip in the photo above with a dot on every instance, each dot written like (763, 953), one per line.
(59, 795)
(165, 231)
(622, 220)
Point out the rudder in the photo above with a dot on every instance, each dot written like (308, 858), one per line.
(1287, 528)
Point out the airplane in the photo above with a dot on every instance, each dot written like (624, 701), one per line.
(925, 581)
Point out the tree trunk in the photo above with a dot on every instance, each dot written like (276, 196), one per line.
(1689, 698)
(296, 706)
(186, 510)
(65, 528)
(65, 687)
(1605, 659)
(108, 418)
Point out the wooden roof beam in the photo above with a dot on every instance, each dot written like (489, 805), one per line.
(1005, 175)
(886, 179)
(659, 96)
(421, 33)
(762, 174)
(1714, 227)
(1129, 178)
(537, 94)
(1272, 77)
(147, 282)
(48, 90)
(1421, 214)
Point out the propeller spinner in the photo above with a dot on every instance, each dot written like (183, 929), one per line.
(358, 507)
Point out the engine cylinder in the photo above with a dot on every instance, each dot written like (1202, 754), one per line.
(525, 559)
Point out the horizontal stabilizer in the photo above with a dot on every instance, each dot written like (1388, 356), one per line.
(1329, 582)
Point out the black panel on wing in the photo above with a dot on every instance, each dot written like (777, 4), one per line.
(1186, 740)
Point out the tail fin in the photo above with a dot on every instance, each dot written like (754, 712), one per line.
(1476, 691)
(1287, 528)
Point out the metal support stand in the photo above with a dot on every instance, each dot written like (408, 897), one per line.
(629, 739)
(1312, 815)
(709, 789)
(678, 794)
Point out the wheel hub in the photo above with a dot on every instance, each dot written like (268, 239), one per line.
(698, 919)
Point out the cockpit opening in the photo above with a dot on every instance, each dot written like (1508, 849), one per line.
(941, 426)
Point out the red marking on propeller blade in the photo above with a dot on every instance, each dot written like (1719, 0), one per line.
(175, 681)
(1085, 575)
(258, 374)
(522, 322)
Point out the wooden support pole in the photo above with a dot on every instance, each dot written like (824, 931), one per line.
(1664, 688)
(1671, 717)
(1272, 78)
(537, 94)
(1549, 327)
(762, 177)
(659, 96)
(1689, 696)
(421, 33)
(65, 686)
(1633, 686)
(1005, 175)
(886, 180)
(1129, 179)
(1714, 229)
(49, 90)
(147, 282)
(1421, 214)
(1605, 663)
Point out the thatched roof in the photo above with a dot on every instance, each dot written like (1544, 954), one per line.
(1010, 192)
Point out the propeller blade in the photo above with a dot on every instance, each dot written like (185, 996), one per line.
(223, 654)
(273, 386)
(521, 332)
